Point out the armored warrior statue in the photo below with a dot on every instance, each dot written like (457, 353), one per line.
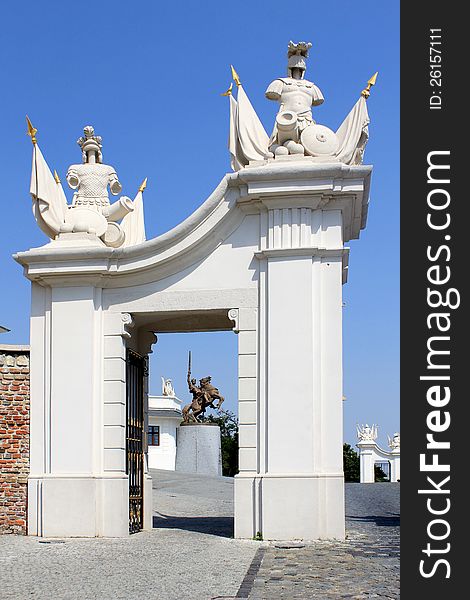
(91, 209)
(92, 177)
(90, 215)
(296, 96)
(198, 404)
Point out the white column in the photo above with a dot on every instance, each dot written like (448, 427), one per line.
(304, 473)
(367, 461)
(291, 482)
(395, 466)
(77, 485)
(247, 520)
(66, 416)
(117, 328)
(39, 436)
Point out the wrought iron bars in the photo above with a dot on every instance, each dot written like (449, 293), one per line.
(136, 369)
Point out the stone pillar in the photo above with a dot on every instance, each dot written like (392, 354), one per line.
(395, 465)
(77, 485)
(291, 482)
(367, 457)
(301, 443)
(117, 330)
(14, 438)
(199, 449)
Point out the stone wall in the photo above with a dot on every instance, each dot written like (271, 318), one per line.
(14, 437)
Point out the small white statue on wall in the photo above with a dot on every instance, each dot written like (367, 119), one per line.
(394, 443)
(167, 388)
(366, 433)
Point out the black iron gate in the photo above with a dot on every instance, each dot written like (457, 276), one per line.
(136, 369)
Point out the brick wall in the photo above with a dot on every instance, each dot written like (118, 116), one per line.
(14, 437)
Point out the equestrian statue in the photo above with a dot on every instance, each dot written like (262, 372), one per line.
(204, 396)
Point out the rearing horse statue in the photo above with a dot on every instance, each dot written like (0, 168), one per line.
(203, 397)
(211, 391)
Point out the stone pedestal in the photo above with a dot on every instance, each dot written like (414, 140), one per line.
(367, 457)
(395, 466)
(199, 449)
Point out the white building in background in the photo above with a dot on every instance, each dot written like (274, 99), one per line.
(164, 417)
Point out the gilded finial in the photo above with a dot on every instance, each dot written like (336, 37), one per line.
(56, 177)
(143, 185)
(31, 131)
(235, 76)
(229, 91)
(366, 92)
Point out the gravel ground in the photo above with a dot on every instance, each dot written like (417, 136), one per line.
(190, 554)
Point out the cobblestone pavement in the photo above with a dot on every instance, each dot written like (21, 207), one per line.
(190, 554)
(366, 565)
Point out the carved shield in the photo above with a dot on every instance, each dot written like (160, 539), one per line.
(319, 140)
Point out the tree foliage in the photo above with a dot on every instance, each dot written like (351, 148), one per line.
(351, 464)
(380, 474)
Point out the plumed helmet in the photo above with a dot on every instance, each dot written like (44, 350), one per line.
(297, 60)
(92, 142)
(296, 55)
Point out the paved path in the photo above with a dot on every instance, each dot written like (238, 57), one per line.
(186, 557)
(190, 554)
(366, 565)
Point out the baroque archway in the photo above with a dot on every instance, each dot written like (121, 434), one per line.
(265, 255)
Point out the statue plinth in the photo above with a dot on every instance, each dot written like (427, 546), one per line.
(194, 424)
(199, 449)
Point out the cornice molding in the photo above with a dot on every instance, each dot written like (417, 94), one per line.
(252, 190)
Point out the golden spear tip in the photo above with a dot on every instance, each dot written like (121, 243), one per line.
(235, 76)
(31, 130)
(56, 177)
(366, 92)
(373, 79)
(229, 91)
(143, 185)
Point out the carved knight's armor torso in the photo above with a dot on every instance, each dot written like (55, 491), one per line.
(91, 182)
(297, 95)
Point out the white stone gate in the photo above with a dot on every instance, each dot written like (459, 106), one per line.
(370, 454)
(265, 256)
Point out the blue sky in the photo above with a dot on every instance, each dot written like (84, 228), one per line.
(148, 75)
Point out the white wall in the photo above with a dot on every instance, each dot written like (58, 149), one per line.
(164, 455)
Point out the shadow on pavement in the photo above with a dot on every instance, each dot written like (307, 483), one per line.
(219, 526)
(381, 521)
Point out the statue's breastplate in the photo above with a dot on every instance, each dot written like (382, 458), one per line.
(297, 98)
(93, 187)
